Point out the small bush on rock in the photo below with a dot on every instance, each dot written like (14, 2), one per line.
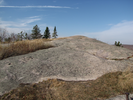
(118, 44)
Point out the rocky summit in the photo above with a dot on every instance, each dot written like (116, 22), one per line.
(72, 58)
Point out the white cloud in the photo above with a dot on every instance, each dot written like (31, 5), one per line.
(1, 2)
(34, 7)
(54, 1)
(122, 32)
(110, 24)
(34, 17)
(19, 25)
(25, 24)
(29, 20)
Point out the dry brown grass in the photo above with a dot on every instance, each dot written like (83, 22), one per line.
(125, 82)
(23, 47)
(0, 46)
(108, 85)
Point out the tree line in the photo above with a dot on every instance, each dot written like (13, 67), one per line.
(35, 34)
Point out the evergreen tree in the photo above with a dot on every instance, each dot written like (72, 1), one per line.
(47, 33)
(26, 36)
(36, 32)
(54, 35)
(20, 36)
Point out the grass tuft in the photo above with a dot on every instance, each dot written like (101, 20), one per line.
(125, 82)
(23, 47)
(108, 85)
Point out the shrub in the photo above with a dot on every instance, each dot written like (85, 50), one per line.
(118, 44)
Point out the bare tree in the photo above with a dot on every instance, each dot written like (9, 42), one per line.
(13, 37)
(28, 35)
(3, 34)
(8, 39)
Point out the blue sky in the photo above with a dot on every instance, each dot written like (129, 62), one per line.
(105, 20)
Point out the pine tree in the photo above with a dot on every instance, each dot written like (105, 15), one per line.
(20, 36)
(26, 36)
(54, 35)
(36, 32)
(47, 33)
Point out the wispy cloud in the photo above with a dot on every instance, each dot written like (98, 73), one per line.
(1, 2)
(122, 32)
(110, 24)
(34, 7)
(29, 20)
(54, 1)
(20, 24)
(25, 24)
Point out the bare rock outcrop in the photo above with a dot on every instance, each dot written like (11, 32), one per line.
(73, 58)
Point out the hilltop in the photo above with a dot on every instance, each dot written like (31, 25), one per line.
(75, 58)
